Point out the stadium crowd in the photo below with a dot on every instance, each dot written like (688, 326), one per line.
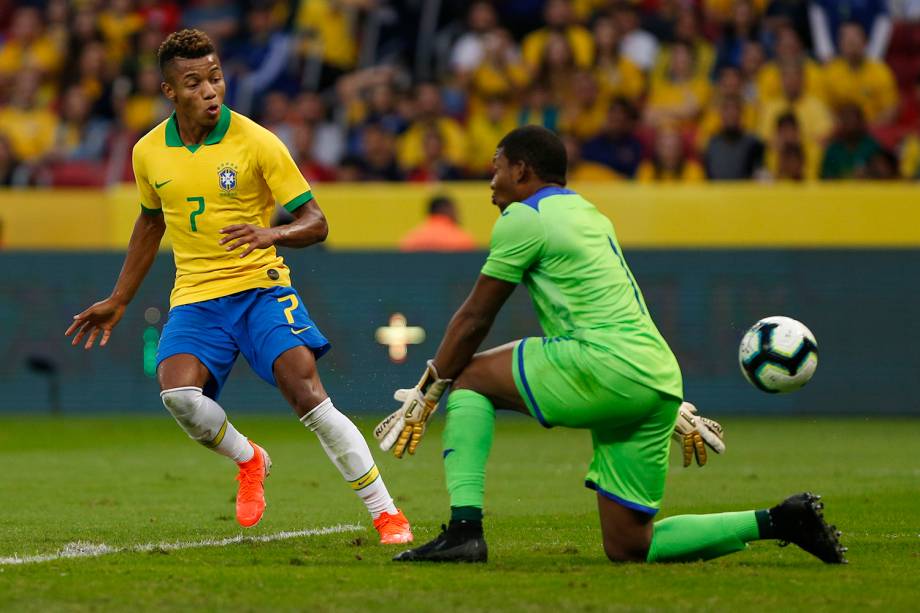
(421, 90)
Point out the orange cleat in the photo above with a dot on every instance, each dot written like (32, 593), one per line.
(250, 498)
(393, 528)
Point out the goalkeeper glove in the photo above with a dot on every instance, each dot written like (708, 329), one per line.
(403, 429)
(694, 433)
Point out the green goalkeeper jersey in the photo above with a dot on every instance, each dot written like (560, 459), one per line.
(566, 253)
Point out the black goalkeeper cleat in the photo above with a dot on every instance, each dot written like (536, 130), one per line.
(462, 541)
(799, 520)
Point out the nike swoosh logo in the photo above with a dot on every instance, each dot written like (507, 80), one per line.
(301, 330)
(159, 185)
(447, 452)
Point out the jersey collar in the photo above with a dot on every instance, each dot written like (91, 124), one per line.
(534, 199)
(213, 137)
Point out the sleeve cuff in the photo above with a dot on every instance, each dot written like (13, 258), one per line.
(502, 272)
(299, 201)
(147, 211)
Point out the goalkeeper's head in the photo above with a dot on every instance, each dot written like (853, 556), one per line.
(192, 77)
(525, 160)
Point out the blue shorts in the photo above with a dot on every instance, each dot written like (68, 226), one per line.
(259, 323)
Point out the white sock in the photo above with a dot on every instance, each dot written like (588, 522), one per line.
(348, 450)
(206, 422)
(234, 445)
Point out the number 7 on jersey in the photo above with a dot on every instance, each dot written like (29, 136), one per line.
(196, 212)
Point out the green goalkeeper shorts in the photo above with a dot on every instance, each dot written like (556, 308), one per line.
(567, 382)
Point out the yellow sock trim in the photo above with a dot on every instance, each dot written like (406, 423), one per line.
(217, 439)
(366, 479)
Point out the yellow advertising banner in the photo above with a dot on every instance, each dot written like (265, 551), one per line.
(375, 216)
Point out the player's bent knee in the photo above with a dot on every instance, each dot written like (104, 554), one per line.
(192, 412)
(626, 552)
(470, 378)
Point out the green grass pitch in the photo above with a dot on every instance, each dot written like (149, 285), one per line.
(126, 481)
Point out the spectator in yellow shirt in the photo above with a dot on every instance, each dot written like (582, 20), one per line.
(29, 127)
(615, 73)
(789, 49)
(327, 31)
(687, 29)
(681, 96)
(27, 47)
(79, 136)
(560, 18)
(729, 85)
(584, 109)
(670, 163)
(485, 128)
(811, 113)
(789, 132)
(429, 115)
(501, 72)
(118, 23)
(146, 107)
(369, 96)
(556, 67)
(854, 77)
(93, 72)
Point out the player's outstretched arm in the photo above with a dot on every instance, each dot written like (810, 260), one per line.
(470, 325)
(101, 317)
(308, 228)
(403, 430)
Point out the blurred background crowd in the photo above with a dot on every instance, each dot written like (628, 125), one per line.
(421, 90)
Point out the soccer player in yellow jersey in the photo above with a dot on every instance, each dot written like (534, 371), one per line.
(211, 177)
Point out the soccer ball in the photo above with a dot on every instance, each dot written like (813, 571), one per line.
(778, 355)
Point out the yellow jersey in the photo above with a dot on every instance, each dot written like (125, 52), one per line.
(871, 85)
(30, 131)
(814, 118)
(234, 177)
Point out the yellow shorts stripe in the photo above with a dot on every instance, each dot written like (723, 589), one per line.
(366, 479)
(217, 439)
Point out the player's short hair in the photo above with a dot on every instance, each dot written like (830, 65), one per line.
(539, 148)
(187, 44)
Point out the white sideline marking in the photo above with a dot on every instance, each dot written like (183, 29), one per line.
(83, 549)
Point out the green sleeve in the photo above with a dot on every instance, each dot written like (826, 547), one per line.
(518, 239)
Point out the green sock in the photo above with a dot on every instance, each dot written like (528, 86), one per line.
(686, 538)
(467, 442)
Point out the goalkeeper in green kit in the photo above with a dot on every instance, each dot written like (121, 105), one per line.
(601, 366)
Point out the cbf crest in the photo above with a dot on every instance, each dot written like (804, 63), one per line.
(226, 177)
